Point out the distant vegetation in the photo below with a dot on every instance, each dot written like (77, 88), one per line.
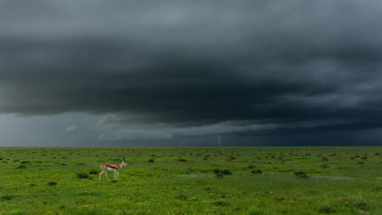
(245, 180)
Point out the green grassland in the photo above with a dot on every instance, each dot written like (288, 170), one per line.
(220, 180)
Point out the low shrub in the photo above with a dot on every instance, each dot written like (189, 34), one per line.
(301, 174)
(325, 208)
(82, 175)
(151, 161)
(22, 166)
(226, 172)
(22, 162)
(325, 166)
(254, 211)
(325, 159)
(63, 164)
(216, 171)
(182, 160)
(93, 172)
(52, 183)
(181, 196)
(376, 188)
(6, 197)
(221, 202)
(256, 171)
(208, 188)
(362, 205)
(279, 198)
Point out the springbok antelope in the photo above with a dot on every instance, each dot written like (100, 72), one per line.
(112, 167)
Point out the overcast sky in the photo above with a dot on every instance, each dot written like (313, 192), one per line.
(180, 73)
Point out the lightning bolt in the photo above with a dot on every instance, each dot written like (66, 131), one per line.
(219, 140)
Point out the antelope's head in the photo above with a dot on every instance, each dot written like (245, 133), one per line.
(124, 162)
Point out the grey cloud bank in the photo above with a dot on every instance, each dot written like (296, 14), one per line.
(174, 69)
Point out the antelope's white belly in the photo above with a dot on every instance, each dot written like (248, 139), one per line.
(110, 169)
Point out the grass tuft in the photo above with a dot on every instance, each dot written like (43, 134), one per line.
(82, 175)
(52, 183)
(181, 196)
(6, 197)
(221, 202)
(325, 208)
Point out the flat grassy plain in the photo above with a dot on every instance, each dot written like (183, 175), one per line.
(220, 180)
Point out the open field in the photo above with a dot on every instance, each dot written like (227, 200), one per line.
(341, 180)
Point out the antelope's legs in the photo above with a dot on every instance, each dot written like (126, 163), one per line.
(105, 175)
(100, 175)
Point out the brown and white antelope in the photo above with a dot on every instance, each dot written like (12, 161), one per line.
(112, 167)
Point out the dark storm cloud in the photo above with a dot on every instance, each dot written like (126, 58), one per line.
(226, 65)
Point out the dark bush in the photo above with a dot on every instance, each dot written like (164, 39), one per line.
(325, 208)
(22, 162)
(361, 205)
(52, 183)
(227, 172)
(63, 164)
(361, 162)
(6, 197)
(216, 171)
(219, 175)
(256, 171)
(376, 188)
(251, 167)
(221, 202)
(182, 160)
(82, 175)
(377, 154)
(352, 158)
(301, 174)
(208, 188)
(81, 164)
(93, 172)
(22, 166)
(181, 196)
(151, 161)
(279, 197)
(325, 159)
(364, 158)
(325, 166)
